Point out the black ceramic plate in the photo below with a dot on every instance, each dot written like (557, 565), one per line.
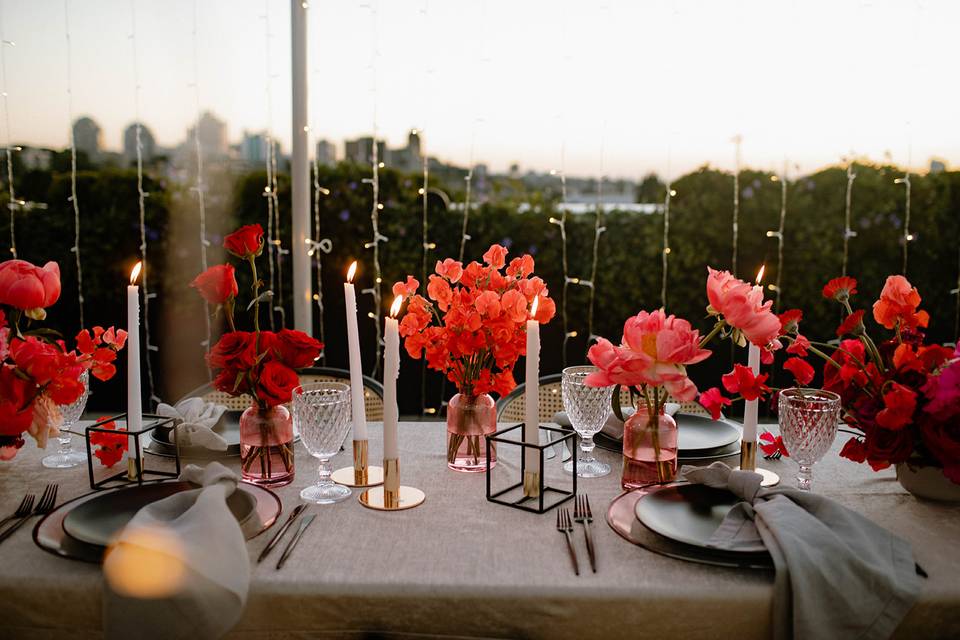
(732, 449)
(687, 513)
(97, 521)
(699, 433)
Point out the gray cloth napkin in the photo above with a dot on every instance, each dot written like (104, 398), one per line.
(838, 575)
(195, 421)
(192, 539)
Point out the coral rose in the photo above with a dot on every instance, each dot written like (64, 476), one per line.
(29, 288)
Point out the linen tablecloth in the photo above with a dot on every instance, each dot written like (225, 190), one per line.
(460, 566)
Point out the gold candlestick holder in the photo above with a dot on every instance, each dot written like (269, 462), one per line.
(391, 495)
(360, 474)
(531, 484)
(748, 462)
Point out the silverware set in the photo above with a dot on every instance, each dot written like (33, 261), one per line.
(26, 510)
(583, 515)
(304, 523)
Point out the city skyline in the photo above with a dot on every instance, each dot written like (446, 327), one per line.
(545, 85)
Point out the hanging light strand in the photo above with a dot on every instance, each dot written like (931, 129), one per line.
(141, 204)
(376, 206)
(665, 252)
(907, 235)
(848, 232)
(270, 190)
(598, 229)
(778, 234)
(318, 247)
(200, 186)
(468, 179)
(73, 199)
(12, 203)
(737, 139)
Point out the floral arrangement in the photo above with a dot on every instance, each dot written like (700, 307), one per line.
(472, 325)
(259, 363)
(37, 372)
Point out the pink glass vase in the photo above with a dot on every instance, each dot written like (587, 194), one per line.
(469, 419)
(649, 449)
(266, 446)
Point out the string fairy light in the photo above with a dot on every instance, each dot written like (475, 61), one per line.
(200, 186)
(376, 206)
(274, 247)
(141, 204)
(73, 199)
(665, 252)
(907, 235)
(598, 229)
(848, 232)
(318, 247)
(737, 139)
(468, 179)
(778, 234)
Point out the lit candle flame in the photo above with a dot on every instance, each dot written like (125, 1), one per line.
(760, 274)
(395, 307)
(135, 273)
(533, 307)
(352, 271)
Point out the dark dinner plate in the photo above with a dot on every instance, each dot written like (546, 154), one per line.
(697, 434)
(97, 521)
(687, 513)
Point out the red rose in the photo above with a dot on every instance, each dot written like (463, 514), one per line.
(217, 284)
(854, 450)
(246, 242)
(943, 441)
(296, 349)
(29, 288)
(232, 382)
(886, 447)
(234, 350)
(276, 383)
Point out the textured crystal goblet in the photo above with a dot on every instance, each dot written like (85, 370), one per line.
(808, 424)
(321, 413)
(588, 409)
(66, 457)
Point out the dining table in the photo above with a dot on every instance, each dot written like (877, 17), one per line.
(460, 566)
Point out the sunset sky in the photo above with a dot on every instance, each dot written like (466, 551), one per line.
(653, 85)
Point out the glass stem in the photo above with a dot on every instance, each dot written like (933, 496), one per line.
(805, 477)
(324, 473)
(64, 440)
(586, 447)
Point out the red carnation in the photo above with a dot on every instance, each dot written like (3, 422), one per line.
(790, 320)
(246, 242)
(852, 324)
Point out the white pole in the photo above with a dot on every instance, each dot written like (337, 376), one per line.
(300, 172)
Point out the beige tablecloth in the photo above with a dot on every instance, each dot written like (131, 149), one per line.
(460, 566)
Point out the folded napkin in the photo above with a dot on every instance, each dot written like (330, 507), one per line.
(838, 575)
(195, 421)
(180, 568)
(613, 427)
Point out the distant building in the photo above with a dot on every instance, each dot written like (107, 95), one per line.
(212, 133)
(407, 158)
(360, 151)
(326, 153)
(87, 137)
(34, 158)
(937, 166)
(148, 146)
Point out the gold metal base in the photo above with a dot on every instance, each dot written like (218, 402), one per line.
(392, 496)
(360, 474)
(748, 462)
(531, 484)
(132, 472)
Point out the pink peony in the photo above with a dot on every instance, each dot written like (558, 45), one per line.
(654, 351)
(29, 288)
(742, 307)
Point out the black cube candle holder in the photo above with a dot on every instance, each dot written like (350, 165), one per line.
(517, 494)
(151, 423)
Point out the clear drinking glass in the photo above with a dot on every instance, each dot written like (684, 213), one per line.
(321, 414)
(66, 457)
(808, 424)
(588, 409)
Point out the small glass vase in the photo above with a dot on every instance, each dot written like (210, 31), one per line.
(266, 446)
(649, 449)
(469, 419)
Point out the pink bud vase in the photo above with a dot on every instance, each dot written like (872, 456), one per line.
(469, 419)
(266, 446)
(649, 449)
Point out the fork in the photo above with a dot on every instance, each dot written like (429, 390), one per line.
(583, 515)
(47, 502)
(26, 506)
(565, 526)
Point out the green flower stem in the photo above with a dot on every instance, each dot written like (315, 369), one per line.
(713, 333)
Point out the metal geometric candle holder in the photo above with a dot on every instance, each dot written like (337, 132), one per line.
(360, 474)
(135, 459)
(530, 491)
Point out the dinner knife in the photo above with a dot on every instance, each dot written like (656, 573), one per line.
(279, 534)
(304, 523)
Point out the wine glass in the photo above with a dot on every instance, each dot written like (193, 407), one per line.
(66, 457)
(808, 425)
(588, 409)
(321, 414)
